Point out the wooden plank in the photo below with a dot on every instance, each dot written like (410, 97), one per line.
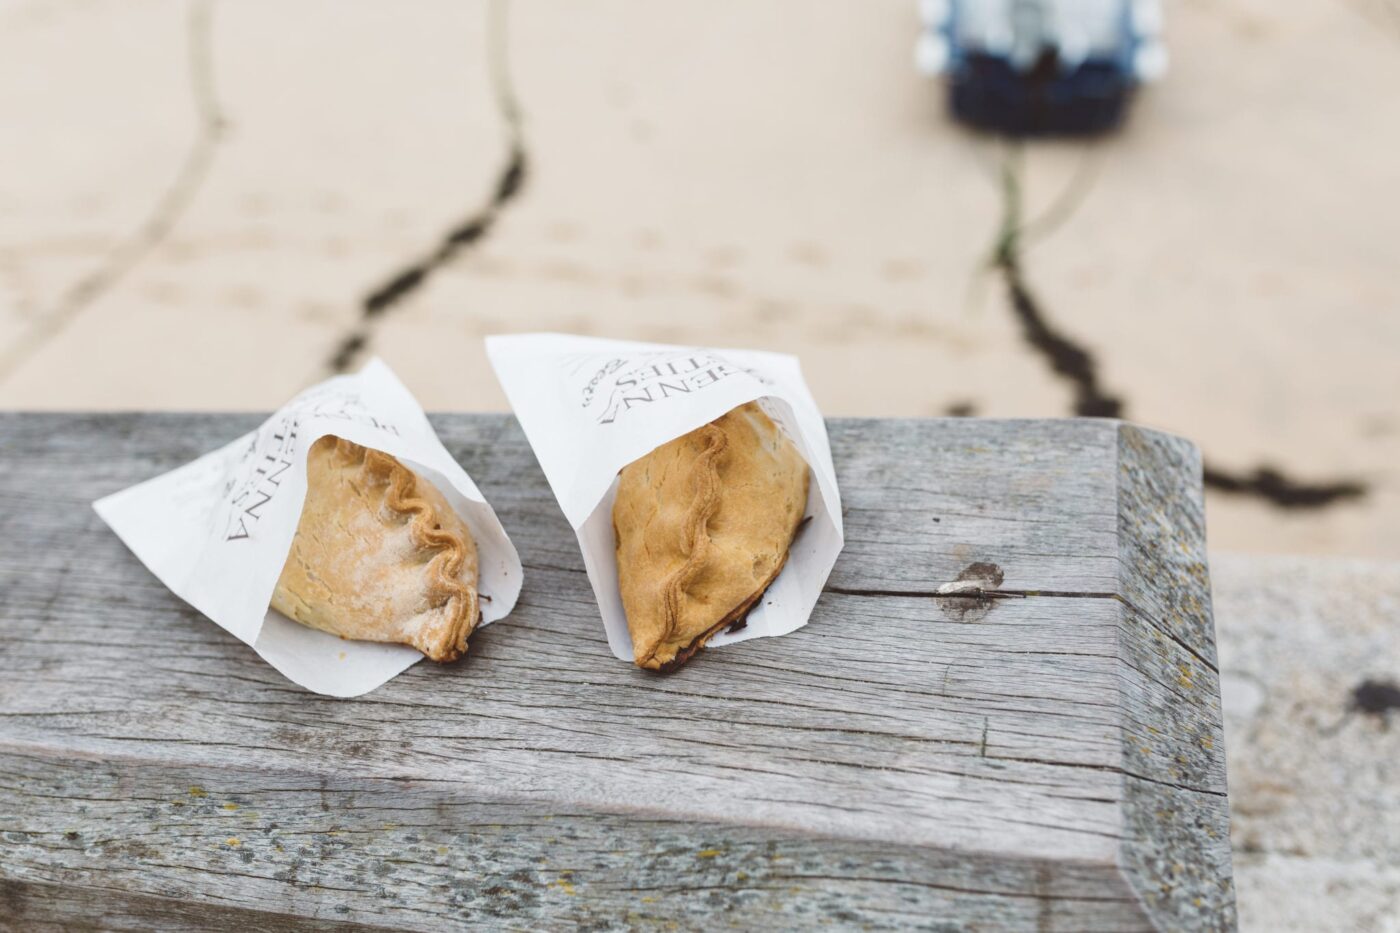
(1047, 760)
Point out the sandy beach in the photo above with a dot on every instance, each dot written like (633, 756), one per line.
(200, 198)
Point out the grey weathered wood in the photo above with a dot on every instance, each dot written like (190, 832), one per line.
(1050, 759)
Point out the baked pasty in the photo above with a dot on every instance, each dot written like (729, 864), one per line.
(703, 525)
(379, 555)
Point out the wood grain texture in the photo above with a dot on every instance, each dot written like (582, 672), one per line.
(1049, 759)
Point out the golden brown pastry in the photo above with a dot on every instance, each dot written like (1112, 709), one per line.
(703, 525)
(379, 555)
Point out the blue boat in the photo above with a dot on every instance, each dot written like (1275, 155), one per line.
(1041, 67)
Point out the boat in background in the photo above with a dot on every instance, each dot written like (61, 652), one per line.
(1041, 67)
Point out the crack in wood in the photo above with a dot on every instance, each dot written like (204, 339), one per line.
(972, 594)
(471, 231)
(974, 597)
(1077, 365)
(1112, 769)
(166, 213)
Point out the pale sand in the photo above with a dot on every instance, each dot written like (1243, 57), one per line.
(771, 175)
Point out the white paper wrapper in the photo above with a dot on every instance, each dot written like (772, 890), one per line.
(217, 531)
(589, 407)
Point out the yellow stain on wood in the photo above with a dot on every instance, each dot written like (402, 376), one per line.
(648, 900)
(708, 853)
(230, 806)
(197, 791)
(233, 842)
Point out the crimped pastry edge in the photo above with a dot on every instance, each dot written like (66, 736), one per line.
(697, 521)
(702, 508)
(458, 598)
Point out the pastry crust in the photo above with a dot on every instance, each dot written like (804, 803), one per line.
(379, 555)
(703, 525)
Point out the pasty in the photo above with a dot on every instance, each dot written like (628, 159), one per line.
(379, 555)
(703, 525)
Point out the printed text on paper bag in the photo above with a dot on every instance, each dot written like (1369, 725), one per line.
(256, 478)
(621, 385)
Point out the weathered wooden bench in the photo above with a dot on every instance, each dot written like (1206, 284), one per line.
(1044, 752)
